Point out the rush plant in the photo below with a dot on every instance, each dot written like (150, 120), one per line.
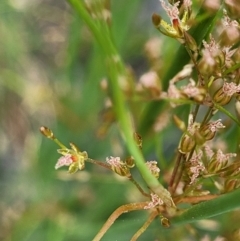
(203, 80)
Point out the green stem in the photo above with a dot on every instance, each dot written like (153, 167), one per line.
(116, 70)
(59, 143)
(102, 164)
(152, 216)
(219, 107)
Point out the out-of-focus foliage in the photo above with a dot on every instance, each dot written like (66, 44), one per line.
(50, 74)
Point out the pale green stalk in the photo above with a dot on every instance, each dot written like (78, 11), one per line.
(116, 70)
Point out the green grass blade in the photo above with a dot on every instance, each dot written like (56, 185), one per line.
(223, 204)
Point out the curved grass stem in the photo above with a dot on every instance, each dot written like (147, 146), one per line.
(119, 211)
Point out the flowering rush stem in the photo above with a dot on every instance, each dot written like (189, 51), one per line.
(116, 70)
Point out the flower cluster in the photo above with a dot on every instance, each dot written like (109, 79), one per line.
(154, 169)
(118, 166)
(178, 24)
(73, 158)
(155, 201)
(196, 167)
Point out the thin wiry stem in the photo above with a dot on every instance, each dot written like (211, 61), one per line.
(144, 226)
(194, 199)
(102, 164)
(207, 116)
(179, 158)
(122, 209)
(179, 176)
(59, 143)
(139, 187)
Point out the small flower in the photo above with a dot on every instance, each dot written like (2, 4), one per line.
(231, 31)
(64, 161)
(150, 82)
(156, 201)
(193, 92)
(228, 53)
(171, 10)
(196, 167)
(208, 151)
(219, 160)
(221, 157)
(153, 48)
(224, 95)
(154, 169)
(178, 26)
(73, 158)
(212, 46)
(227, 22)
(113, 161)
(230, 88)
(118, 166)
(213, 126)
(208, 131)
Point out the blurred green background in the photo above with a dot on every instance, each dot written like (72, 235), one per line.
(50, 74)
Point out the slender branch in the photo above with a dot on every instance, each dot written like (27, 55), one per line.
(195, 112)
(119, 211)
(139, 187)
(208, 116)
(179, 176)
(152, 216)
(176, 166)
(102, 164)
(59, 143)
(194, 199)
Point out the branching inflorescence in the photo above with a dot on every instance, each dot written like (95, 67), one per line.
(208, 83)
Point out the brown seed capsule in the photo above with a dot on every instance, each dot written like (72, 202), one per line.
(221, 98)
(165, 222)
(130, 162)
(215, 165)
(122, 170)
(230, 185)
(187, 143)
(206, 132)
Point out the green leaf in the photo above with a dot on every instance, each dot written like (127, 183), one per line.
(224, 203)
